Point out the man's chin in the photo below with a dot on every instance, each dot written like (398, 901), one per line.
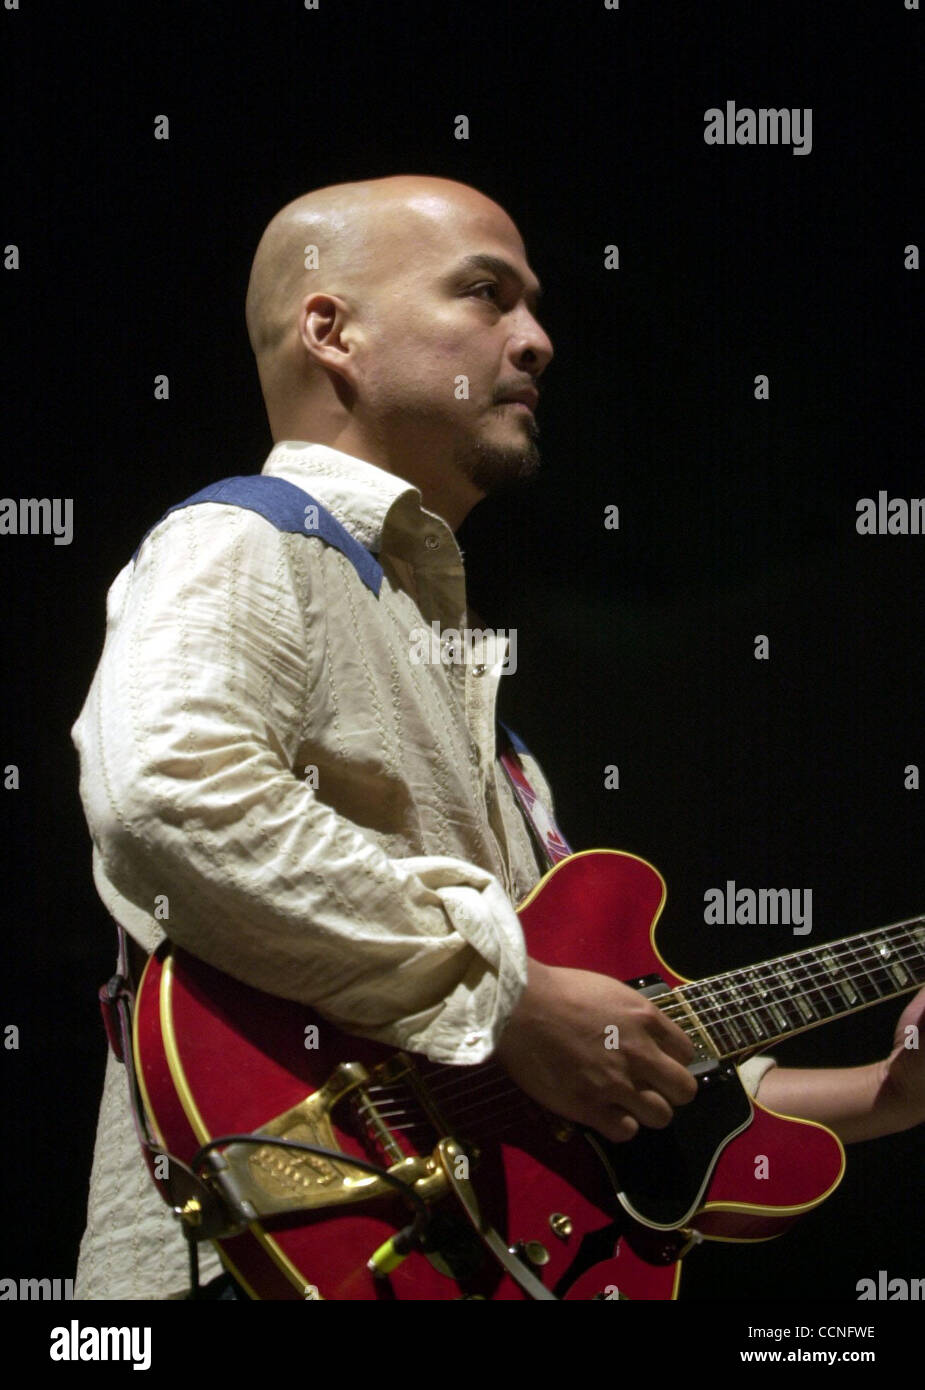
(494, 467)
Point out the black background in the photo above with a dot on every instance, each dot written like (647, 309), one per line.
(635, 646)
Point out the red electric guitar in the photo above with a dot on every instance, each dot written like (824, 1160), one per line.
(421, 1181)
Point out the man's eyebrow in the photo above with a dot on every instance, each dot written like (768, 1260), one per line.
(497, 265)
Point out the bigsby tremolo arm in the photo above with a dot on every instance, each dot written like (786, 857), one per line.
(268, 1180)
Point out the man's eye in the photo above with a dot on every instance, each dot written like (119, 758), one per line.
(489, 289)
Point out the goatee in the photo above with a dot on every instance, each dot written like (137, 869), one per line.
(494, 468)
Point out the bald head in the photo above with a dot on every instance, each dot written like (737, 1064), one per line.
(356, 314)
(344, 240)
(319, 240)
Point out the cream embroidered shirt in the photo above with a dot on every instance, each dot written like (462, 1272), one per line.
(318, 810)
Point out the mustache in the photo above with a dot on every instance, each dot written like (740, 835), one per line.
(511, 388)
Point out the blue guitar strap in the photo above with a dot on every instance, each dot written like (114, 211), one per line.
(288, 508)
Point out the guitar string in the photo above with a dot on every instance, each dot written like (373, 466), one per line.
(391, 1109)
(402, 1112)
(420, 1119)
(707, 1018)
(424, 1121)
(804, 961)
(823, 978)
(764, 1002)
(795, 961)
(437, 1090)
(512, 1117)
(847, 944)
(709, 1015)
(453, 1084)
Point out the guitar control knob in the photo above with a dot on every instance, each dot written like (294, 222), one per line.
(561, 1225)
(533, 1252)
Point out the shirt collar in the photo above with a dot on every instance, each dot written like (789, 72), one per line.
(362, 496)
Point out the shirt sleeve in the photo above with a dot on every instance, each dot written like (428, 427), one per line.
(753, 1071)
(203, 828)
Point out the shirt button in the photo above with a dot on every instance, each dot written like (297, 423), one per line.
(479, 670)
(431, 542)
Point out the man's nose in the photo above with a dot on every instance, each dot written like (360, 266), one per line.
(531, 345)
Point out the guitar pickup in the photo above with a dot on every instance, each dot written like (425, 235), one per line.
(703, 1066)
(705, 1059)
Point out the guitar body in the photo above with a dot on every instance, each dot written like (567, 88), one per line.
(589, 1219)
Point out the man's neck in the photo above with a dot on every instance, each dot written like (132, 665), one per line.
(444, 490)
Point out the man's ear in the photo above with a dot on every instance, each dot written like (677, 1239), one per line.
(329, 332)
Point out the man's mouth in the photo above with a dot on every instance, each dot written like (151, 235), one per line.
(527, 399)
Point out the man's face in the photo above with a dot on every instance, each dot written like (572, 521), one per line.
(451, 337)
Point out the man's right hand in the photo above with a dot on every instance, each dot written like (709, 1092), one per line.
(555, 1046)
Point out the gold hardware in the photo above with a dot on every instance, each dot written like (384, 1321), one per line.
(190, 1212)
(564, 1131)
(276, 1180)
(535, 1253)
(561, 1225)
(447, 1152)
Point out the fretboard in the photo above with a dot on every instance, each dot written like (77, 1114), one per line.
(760, 1004)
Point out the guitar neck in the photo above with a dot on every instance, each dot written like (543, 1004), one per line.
(761, 1004)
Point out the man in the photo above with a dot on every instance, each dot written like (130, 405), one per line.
(394, 326)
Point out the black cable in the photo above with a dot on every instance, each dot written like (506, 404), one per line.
(192, 1251)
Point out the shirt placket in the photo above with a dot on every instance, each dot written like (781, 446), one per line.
(483, 670)
(476, 676)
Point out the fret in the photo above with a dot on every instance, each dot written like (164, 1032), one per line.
(886, 962)
(915, 955)
(864, 972)
(779, 1017)
(781, 1006)
(760, 991)
(915, 941)
(837, 994)
(771, 1000)
(806, 971)
(710, 1017)
(914, 950)
(732, 1012)
(797, 1010)
(877, 951)
(749, 1009)
(845, 986)
(891, 962)
(796, 996)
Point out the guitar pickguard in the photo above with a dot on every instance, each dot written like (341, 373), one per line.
(661, 1177)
